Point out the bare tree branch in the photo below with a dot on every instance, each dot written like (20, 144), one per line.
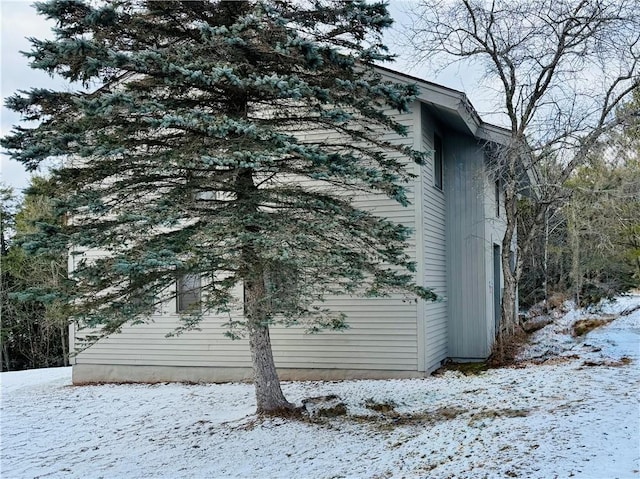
(563, 67)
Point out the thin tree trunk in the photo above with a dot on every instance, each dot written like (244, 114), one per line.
(509, 300)
(5, 357)
(574, 242)
(509, 319)
(269, 397)
(65, 351)
(546, 259)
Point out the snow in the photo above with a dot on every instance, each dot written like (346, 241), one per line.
(615, 341)
(572, 414)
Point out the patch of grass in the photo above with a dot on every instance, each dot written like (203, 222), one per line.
(623, 361)
(468, 369)
(488, 414)
(449, 412)
(385, 407)
(593, 363)
(392, 420)
(556, 359)
(506, 348)
(334, 411)
(583, 326)
(494, 413)
(384, 421)
(324, 406)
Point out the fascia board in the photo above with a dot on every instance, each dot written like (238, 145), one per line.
(502, 136)
(494, 134)
(458, 103)
(440, 96)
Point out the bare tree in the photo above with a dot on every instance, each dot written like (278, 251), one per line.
(561, 69)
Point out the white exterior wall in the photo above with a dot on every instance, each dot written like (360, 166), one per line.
(467, 249)
(382, 341)
(495, 227)
(434, 248)
(455, 230)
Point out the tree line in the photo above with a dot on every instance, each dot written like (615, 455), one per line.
(34, 329)
(588, 247)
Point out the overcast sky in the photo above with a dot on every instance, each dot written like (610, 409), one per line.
(19, 21)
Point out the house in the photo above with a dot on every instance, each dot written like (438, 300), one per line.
(455, 214)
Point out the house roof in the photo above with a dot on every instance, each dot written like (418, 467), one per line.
(452, 107)
(455, 111)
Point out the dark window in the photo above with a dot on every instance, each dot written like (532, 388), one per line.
(437, 161)
(188, 293)
(497, 196)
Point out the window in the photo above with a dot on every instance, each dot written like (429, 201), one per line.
(188, 293)
(437, 162)
(497, 197)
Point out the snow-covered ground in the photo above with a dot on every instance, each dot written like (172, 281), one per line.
(575, 415)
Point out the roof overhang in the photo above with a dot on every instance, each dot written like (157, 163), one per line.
(452, 107)
(454, 110)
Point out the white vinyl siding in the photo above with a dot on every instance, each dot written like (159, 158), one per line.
(382, 334)
(434, 246)
(473, 229)
(495, 226)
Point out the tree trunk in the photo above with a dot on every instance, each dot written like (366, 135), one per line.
(5, 357)
(508, 312)
(546, 260)
(65, 343)
(269, 397)
(574, 244)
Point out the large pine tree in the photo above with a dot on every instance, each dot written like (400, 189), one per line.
(188, 158)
